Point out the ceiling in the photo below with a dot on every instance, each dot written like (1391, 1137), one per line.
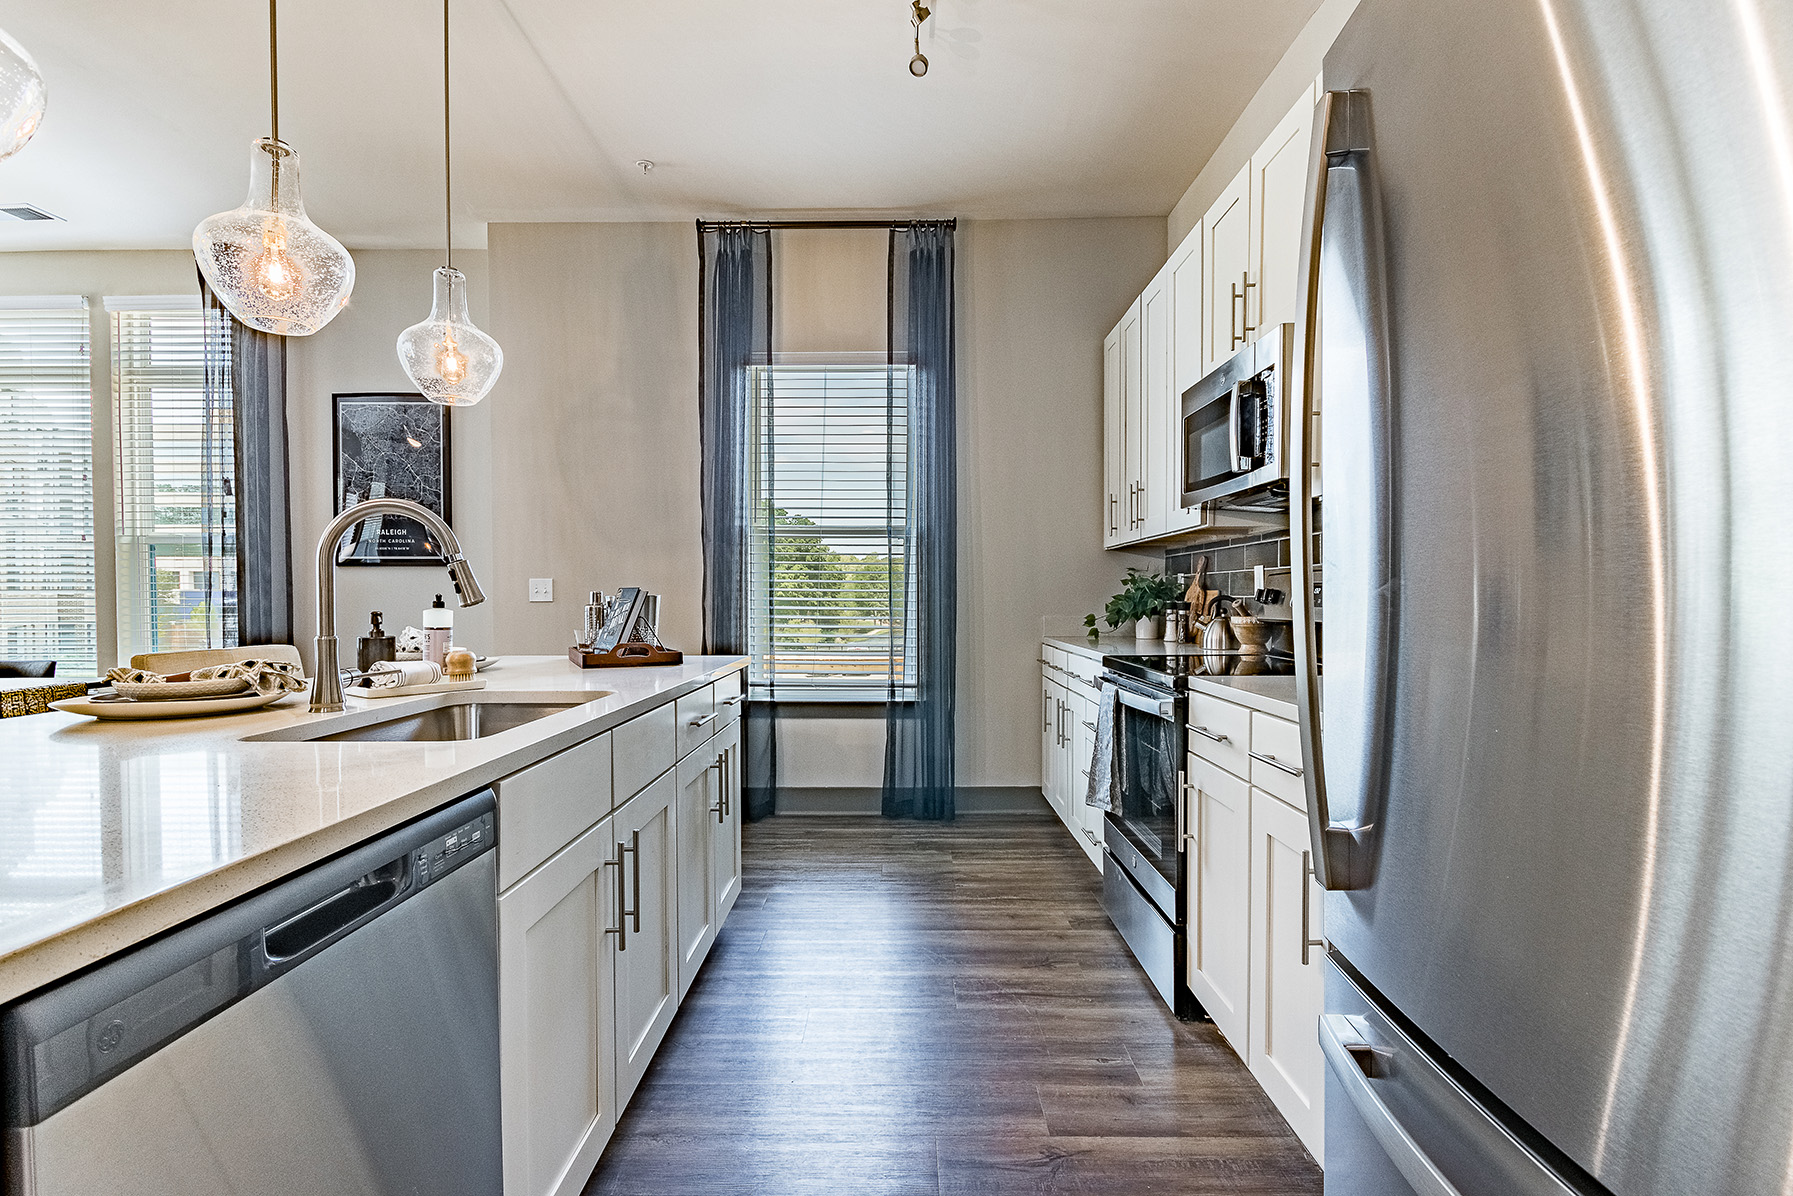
(1032, 108)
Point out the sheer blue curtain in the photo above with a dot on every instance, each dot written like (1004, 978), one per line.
(918, 747)
(734, 334)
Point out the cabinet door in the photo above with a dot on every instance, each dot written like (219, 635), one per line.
(1088, 820)
(699, 794)
(1284, 1053)
(1220, 922)
(557, 1045)
(1226, 266)
(1113, 433)
(1132, 420)
(1278, 189)
(647, 958)
(725, 827)
(1155, 407)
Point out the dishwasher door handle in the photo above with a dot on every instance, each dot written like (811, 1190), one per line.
(334, 914)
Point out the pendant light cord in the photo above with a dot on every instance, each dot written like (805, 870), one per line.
(274, 68)
(447, 171)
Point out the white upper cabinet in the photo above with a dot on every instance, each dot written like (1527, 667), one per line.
(1157, 399)
(1114, 516)
(1227, 271)
(1278, 189)
(1132, 422)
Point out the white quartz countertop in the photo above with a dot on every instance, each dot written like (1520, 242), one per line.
(112, 832)
(1272, 695)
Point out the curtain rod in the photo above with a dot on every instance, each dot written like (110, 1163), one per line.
(704, 225)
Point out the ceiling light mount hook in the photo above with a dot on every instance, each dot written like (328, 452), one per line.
(918, 12)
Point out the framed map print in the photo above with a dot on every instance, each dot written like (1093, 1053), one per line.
(390, 446)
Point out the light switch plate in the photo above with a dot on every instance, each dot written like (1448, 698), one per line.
(541, 589)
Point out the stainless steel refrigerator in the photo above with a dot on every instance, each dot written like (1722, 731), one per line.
(1550, 285)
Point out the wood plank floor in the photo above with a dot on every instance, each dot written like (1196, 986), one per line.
(937, 1010)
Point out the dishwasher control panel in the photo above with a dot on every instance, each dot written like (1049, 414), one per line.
(445, 853)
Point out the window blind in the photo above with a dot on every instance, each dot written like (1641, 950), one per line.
(46, 485)
(828, 613)
(176, 539)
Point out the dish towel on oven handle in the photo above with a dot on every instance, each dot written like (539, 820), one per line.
(1102, 761)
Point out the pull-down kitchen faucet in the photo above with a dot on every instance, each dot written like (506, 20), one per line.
(326, 685)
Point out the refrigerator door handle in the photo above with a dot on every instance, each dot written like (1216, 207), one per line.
(1346, 1044)
(1359, 506)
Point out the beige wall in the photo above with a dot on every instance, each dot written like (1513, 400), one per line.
(831, 290)
(594, 426)
(1297, 68)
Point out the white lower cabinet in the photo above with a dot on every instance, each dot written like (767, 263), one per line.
(1218, 913)
(725, 828)
(647, 955)
(1252, 910)
(699, 796)
(595, 941)
(1286, 992)
(1067, 744)
(556, 1018)
(709, 846)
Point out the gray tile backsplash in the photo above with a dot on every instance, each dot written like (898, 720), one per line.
(1231, 562)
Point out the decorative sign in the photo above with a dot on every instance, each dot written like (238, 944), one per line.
(390, 446)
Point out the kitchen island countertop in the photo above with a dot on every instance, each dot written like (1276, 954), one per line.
(112, 832)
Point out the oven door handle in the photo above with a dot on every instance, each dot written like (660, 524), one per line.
(1156, 707)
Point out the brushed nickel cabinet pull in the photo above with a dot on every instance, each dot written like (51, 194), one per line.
(1216, 736)
(1307, 897)
(1273, 762)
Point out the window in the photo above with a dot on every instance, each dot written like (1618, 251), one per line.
(46, 484)
(828, 612)
(176, 540)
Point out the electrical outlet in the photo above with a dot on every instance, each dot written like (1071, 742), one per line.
(541, 589)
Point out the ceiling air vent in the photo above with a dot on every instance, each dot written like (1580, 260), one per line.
(24, 211)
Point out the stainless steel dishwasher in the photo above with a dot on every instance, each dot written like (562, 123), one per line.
(334, 1034)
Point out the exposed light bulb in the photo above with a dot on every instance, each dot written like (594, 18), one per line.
(266, 261)
(22, 97)
(451, 363)
(275, 272)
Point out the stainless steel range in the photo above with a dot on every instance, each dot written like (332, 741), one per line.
(1145, 869)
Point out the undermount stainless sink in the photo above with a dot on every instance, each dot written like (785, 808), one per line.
(463, 721)
(459, 718)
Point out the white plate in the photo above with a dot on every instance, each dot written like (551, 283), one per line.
(187, 709)
(181, 691)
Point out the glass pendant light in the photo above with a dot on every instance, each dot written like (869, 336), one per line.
(266, 261)
(22, 97)
(450, 361)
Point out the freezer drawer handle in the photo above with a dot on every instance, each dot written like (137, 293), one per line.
(1273, 762)
(301, 932)
(1346, 1043)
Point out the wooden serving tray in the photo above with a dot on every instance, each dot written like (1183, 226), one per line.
(624, 656)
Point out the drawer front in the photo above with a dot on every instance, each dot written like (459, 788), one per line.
(1054, 656)
(697, 718)
(642, 749)
(1220, 733)
(731, 699)
(546, 806)
(1082, 667)
(1278, 740)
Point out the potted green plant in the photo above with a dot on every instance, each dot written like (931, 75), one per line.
(1143, 599)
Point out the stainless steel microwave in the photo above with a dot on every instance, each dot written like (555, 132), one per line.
(1235, 422)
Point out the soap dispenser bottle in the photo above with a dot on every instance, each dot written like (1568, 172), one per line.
(375, 646)
(438, 632)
